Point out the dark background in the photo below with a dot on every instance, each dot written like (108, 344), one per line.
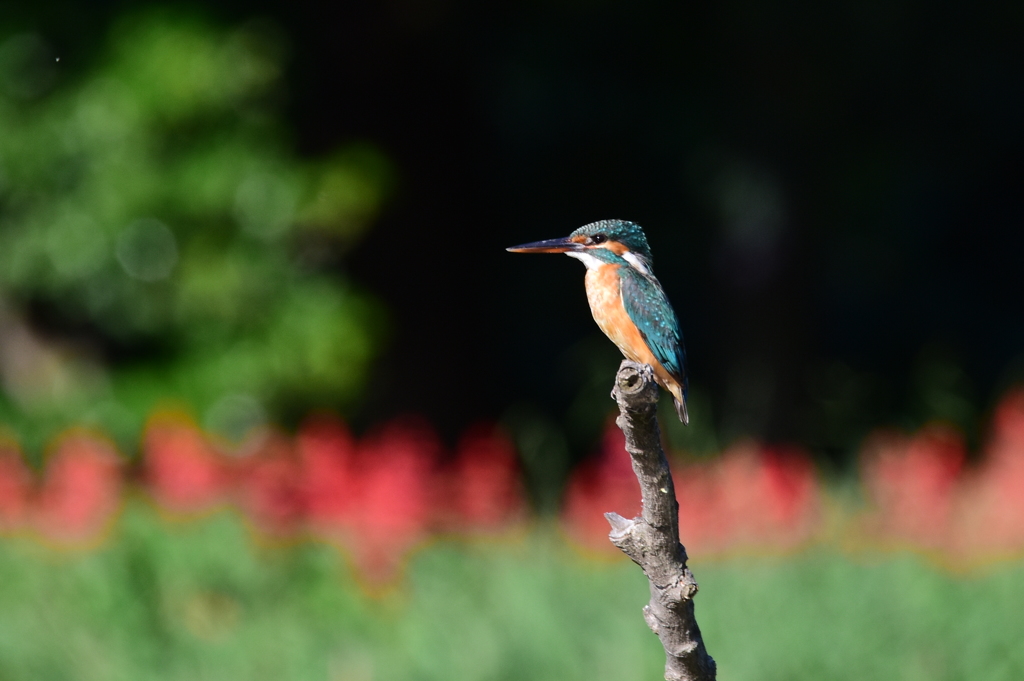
(832, 194)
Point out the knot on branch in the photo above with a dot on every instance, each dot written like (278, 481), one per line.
(682, 589)
(635, 385)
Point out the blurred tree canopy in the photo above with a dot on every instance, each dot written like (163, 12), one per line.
(160, 238)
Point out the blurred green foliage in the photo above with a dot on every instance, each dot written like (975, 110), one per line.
(160, 239)
(200, 600)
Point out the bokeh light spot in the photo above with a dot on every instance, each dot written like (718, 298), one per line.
(236, 415)
(147, 250)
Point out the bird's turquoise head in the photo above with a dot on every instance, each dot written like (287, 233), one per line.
(605, 241)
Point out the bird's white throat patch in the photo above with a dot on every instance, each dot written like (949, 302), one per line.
(593, 262)
(590, 261)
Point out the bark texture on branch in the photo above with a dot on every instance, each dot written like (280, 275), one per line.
(652, 539)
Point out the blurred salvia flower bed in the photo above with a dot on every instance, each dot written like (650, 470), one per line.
(378, 497)
(381, 496)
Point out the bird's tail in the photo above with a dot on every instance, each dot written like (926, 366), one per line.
(681, 410)
(679, 398)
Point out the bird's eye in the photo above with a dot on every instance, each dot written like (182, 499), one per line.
(598, 238)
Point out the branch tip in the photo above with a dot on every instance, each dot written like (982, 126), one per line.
(620, 526)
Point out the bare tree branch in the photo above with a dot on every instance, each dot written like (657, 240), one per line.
(652, 539)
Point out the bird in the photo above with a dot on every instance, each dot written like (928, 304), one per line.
(627, 301)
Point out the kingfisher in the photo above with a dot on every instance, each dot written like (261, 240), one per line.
(627, 301)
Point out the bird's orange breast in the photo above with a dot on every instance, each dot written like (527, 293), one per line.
(605, 297)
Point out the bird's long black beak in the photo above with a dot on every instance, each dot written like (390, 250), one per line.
(548, 246)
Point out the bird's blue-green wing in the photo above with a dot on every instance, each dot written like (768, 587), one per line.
(648, 308)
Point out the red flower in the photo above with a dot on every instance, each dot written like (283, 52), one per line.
(992, 505)
(392, 495)
(327, 452)
(269, 486)
(912, 481)
(81, 489)
(483, 490)
(181, 468)
(752, 496)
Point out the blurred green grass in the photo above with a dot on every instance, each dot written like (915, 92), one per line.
(204, 600)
